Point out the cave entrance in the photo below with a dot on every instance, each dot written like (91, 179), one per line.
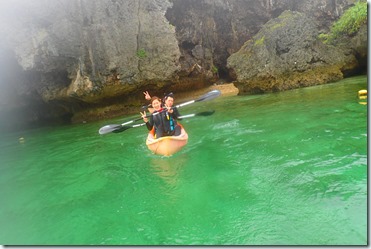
(224, 74)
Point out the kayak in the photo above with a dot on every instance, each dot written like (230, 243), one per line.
(166, 146)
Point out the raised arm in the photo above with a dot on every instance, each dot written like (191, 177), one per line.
(146, 95)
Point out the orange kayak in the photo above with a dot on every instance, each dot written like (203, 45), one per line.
(166, 146)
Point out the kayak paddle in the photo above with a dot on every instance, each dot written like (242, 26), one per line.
(125, 127)
(207, 96)
(206, 113)
(113, 127)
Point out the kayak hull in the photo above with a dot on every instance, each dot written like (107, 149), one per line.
(166, 146)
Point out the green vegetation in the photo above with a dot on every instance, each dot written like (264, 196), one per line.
(141, 53)
(276, 26)
(286, 14)
(214, 69)
(260, 41)
(172, 27)
(348, 24)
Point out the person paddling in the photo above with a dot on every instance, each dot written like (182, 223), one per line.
(163, 120)
(168, 103)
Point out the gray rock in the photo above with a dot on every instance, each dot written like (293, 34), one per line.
(75, 60)
(286, 54)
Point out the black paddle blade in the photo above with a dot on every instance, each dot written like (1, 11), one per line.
(205, 113)
(114, 128)
(109, 128)
(121, 129)
(210, 95)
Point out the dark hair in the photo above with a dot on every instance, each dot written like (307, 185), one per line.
(168, 95)
(154, 98)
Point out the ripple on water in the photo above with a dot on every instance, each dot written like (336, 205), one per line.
(282, 169)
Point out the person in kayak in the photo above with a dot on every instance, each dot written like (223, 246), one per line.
(168, 103)
(163, 120)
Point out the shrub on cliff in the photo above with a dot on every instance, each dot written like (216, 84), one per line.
(348, 24)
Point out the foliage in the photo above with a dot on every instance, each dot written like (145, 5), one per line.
(214, 69)
(172, 27)
(141, 53)
(351, 20)
(260, 41)
(348, 24)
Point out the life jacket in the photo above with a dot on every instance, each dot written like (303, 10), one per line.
(166, 121)
(171, 120)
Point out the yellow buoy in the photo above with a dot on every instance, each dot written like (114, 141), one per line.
(362, 94)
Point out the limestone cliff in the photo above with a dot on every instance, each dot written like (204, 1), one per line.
(74, 60)
(286, 54)
(65, 56)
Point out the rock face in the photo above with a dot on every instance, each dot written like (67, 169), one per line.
(210, 31)
(286, 54)
(80, 60)
(90, 43)
(71, 55)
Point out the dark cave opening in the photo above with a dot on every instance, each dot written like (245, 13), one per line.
(224, 75)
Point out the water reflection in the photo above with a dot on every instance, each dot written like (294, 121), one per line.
(169, 168)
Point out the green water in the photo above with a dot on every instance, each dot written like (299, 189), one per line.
(277, 169)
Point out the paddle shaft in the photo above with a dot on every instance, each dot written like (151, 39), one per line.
(110, 128)
(124, 128)
(210, 95)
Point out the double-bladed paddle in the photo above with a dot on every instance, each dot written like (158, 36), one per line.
(116, 127)
(206, 113)
(120, 127)
(207, 96)
(125, 127)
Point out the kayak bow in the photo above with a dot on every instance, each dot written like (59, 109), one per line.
(166, 146)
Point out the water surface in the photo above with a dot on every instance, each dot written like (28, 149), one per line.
(276, 169)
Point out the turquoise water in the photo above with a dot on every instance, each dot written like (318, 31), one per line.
(276, 169)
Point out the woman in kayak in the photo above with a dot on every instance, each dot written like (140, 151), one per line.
(168, 104)
(163, 119)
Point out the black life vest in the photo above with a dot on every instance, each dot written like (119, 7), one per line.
(164, 121)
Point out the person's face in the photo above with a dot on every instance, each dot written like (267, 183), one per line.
(169, 101)
(156, 104)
